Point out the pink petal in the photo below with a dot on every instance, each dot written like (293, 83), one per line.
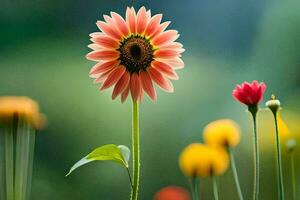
(173, 45)
(135, 87)
(121, 24)
(103, 55)
(160, 29)
(153, 24)
(147, 85)
(260, 93)
(141, 20)
(94, 46)
(175, 63)
(166, 53)
(96, 34)
(165, 38)
(131, 19)
(124, 94)
(102, 77)
(165, 69)
(121, 85)
(161, 81)
(113, 77)
(105, 41)
(104, 67)
(104, 27)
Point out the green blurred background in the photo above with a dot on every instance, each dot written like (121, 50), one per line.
(42, 55)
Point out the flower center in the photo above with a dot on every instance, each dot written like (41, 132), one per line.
(136, 53)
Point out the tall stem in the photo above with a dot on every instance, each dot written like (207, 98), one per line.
(235, 175)
(253, 110)
(215, 188)
(136, 150)
(293, 176)
(195, 188)
(279, 165)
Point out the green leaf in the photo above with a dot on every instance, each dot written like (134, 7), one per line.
(125, 153)
(109, 152)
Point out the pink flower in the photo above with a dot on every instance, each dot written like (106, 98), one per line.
(172, 193)
(133, 53)
(249, 93)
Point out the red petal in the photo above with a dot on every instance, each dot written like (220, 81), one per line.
(147, 85)
(121, 85)
(113, 77)
(161, 81)
(165, 69)
(103, 67)
(135, 87)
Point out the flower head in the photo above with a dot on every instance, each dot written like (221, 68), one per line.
(134, 52)
(223, 133)
(273, 104)
(22, 107)
(249, 94)
(172, 193)
(199, 160)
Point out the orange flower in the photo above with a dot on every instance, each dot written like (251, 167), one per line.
(23, 107)
(135, 52)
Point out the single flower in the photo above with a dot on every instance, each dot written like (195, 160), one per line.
(223, 132)
(172, 193)
(22, 107)
(134, 52)
(249, 94)
(199, 160)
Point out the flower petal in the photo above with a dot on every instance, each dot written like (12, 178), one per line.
(160, 29)
(104, 27)
(141, 21)
(153, 24)
(173, 45)
(124, 94)
(160, 80)
(105, 41)
(102, 77)
(135, 87)
(103, 55)
(166, 53)
(131, 19)
(175, 63)
(121, 24)
(113, 77)
(147, 85)
(104, 67)
(94, 46)
(165, 38)
(121, 85)
(165, 69)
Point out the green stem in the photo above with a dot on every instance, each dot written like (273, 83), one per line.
(253, 110)
(293, 176)
(130, 178)
(215, 188)
(279, 165)
(195, 188)
(136, 150)
(235, 175)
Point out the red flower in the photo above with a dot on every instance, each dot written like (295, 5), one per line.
(249, 93)
(172, 193)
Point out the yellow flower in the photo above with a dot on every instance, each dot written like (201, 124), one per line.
(224, 132)
(23, 107)
(199, 160)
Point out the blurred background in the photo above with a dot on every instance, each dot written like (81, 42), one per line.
(42, 55)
